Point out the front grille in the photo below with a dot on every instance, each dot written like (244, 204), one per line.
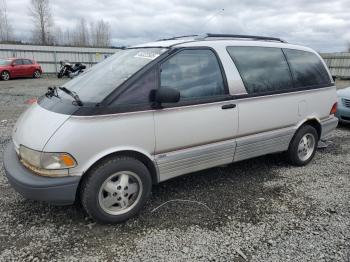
(346, 102)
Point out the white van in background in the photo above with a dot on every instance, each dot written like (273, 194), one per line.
(160, 110)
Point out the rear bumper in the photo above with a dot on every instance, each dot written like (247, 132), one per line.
(328, 126)
(57, 191)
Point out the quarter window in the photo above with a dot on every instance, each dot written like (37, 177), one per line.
(263, 69)
(195, 73)
(139, 92)
(307, 68)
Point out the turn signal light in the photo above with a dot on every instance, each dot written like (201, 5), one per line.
(334, 109)
(68, 160)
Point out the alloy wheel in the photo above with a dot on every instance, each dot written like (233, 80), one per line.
(5, 76)
(306, 147)
(37, 74)
(120, 193)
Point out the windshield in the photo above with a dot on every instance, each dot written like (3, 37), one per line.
(99, 81)
(5, 62)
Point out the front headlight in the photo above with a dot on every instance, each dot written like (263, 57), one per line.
(43, 163)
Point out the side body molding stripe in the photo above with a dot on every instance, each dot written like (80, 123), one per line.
(197, 158)
(263, 143)
(185, 161)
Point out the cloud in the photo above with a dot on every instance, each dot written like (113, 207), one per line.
(322, 25)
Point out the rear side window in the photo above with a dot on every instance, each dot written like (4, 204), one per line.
(195, 73)
(263, 69)
(18, 62)
(308, 70)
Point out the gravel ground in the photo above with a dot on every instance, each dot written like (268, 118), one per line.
(256, 210)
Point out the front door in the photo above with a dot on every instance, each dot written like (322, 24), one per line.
(197, 132)
(18, 69)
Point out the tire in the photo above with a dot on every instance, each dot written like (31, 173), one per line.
(108, 196)
(303, 146)
(5, 75)
(37, 74)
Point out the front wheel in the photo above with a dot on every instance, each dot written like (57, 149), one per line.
(37, 74)
(116, 189)
(303, 146)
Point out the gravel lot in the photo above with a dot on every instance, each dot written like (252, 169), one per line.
(256, 210)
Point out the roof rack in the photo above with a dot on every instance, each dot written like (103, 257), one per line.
(253, 37)
(208, 35)
(176, 37)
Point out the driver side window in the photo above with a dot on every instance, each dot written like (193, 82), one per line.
(195, 73)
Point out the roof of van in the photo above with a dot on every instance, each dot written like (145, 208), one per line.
(220, 40)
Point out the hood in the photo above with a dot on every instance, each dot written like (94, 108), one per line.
(36, 126)
(344, 92)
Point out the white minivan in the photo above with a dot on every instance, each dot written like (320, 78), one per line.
(160, 110)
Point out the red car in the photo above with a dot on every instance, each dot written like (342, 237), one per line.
(18, 67)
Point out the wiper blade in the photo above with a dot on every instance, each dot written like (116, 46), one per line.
(72, 94)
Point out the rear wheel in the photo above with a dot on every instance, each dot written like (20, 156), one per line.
(37, 74)
(303, 146)
(5, 75)
(116, 190)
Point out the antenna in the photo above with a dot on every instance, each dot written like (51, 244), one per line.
(176, 37)
(212, 16)
(207, 20)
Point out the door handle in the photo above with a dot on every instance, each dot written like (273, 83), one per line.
(228, 106)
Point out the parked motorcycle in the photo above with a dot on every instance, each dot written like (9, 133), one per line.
(69, 70)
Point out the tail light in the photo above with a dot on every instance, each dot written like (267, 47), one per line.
(31, 101)
(334, 109)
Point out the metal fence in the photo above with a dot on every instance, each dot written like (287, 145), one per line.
(50, 56)
(338, 63)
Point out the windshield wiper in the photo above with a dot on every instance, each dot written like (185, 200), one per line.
(72, 94)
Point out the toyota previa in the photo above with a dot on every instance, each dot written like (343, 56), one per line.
(157, 111)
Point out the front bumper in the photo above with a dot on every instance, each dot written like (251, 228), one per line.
(57, 191)
(343, 113)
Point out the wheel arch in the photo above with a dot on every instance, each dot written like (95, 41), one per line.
(146, 160)
(314, 122)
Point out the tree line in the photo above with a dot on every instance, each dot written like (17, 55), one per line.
(45, 32)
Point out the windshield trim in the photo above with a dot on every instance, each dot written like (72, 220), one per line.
(83, 85)
(66, 105)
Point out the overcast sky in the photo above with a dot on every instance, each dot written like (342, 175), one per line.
(321, 24)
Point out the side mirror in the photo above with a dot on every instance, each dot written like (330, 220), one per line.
(166, 95)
